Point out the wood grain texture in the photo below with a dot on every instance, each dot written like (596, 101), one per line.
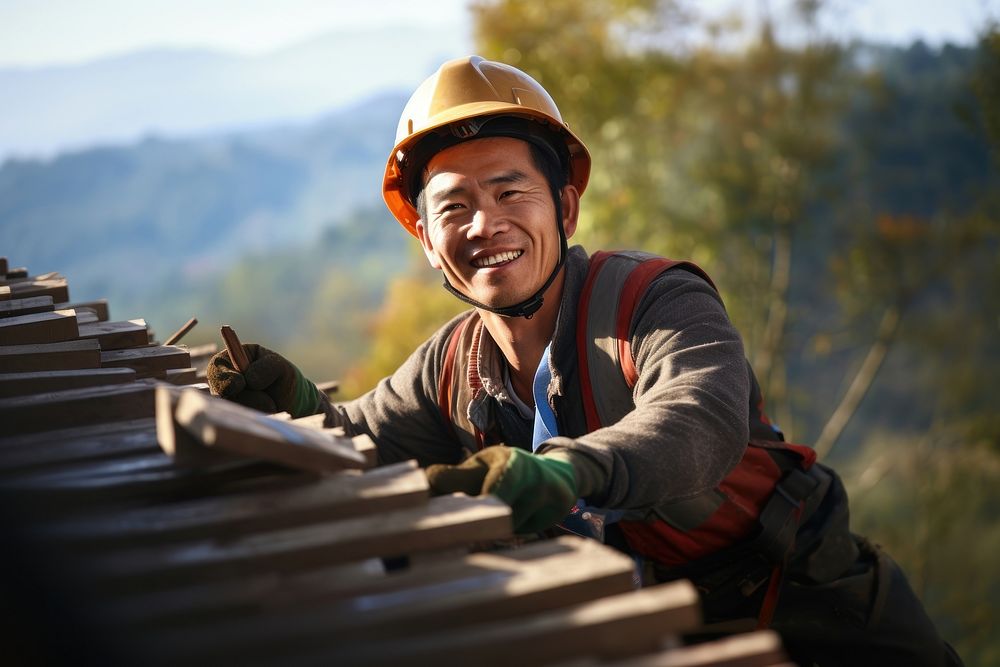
(76, 407)
(149, 361)
(232, 428)
(235, 348)
(99, 307)
(444, 522)
(57, 289)
(337, 497)
(29, 306)
(51, 327)
(23, 384)
(117, 335)
(73, 354)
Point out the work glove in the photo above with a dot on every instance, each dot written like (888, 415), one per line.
(270, 384)
(540, 489)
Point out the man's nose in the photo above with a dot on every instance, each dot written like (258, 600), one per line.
(487, 220)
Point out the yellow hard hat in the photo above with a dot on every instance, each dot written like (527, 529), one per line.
(456, 102)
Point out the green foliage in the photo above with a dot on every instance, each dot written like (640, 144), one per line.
(932, 503)
(414, 308)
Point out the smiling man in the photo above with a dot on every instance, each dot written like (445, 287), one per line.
(604, 395)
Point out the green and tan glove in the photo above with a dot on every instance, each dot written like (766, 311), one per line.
(271, 383)
(540, 489)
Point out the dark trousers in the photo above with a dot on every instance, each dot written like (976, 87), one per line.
(868, 616)
(842, 601)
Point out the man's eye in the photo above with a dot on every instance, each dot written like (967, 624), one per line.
(508, 193)
(451, 207)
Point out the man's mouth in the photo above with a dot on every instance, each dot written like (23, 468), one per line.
(497, 259)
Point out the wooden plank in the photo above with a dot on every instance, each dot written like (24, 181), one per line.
(4, 293)
(178, 443)
(53, 327)
(181, 376)
(217, 599)
(29, 306)
(756, 649)
(340, 496)
(99, 307)
(87, 443)
(444, 522)
(3, 267)
(237, 354)
(362, 444)
(57, 289)
(117, 335)
(37, 382)
(15, 276)
(68, 355)
(76, 407)
(232, 428)
(548, 576)
(147, 361)
(54, 495)
(620, 625)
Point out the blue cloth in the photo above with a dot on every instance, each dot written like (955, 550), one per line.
(582, 519)
(545, 419)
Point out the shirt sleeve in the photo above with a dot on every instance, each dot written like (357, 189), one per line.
(401, 413)
(689, 427)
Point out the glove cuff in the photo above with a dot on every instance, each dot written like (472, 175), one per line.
(590, 477)
(306, 398)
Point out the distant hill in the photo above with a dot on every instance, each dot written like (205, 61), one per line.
(121, 221)
(174, 93)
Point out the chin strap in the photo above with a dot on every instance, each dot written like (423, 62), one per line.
(529, 306)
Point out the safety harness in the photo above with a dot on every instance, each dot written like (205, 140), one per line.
(759, 504)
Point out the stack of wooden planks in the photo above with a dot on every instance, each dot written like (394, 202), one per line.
(169, 526)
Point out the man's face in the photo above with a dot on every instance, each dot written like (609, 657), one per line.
(491, 223)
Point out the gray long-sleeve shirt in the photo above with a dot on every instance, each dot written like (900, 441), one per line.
(688, 428)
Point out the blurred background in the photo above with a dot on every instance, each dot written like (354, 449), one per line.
(833, 165)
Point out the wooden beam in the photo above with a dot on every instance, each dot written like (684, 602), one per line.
(37, 382)
(76, 407)
(340, 496)
(53, 327)
(227, 426)
(609, 628)
(29, 306)
(464, 593)
(362, 444)
(444, 522)
(147, 361)
(3, 267)
(4, 293)
(754, 649)
(181, 376)
(68, 355)
(16, 272)
(57, 289)
(99, 307)
(179, 443)
(117, 335)
(103, 440)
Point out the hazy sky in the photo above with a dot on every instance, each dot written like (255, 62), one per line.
(41, 32)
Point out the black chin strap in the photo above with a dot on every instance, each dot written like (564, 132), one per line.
(529, 306)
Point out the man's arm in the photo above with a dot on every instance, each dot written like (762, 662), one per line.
(401, 413)
(689, 427)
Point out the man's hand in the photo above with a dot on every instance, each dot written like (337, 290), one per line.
(271, 383)
(540, 490)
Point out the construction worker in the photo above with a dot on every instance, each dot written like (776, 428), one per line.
(607, 395)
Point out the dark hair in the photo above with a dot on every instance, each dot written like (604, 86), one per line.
(544, 160)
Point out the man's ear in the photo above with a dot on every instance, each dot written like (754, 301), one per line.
(570, 199)
(425, 243)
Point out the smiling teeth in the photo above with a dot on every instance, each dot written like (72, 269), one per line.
(493, 260)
